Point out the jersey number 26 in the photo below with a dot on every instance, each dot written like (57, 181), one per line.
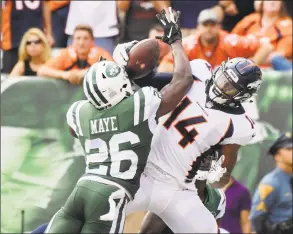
(98, 152)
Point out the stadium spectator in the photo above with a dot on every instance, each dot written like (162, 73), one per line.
(34, 51)
(270, 23)
(232, 11)
(139, 18)
(59, 10)
(73, 61)
(189, 13)
(100, 15)
(287, 4)
(271, 211)
(238, 203)
(17, 18)
(215, 45)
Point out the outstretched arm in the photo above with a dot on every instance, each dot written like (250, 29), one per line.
(180, 83)
(182, 77)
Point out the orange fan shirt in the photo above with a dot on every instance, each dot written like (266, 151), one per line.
(229, 46)
(55, 5)
(279, 34)
(17, 18)
(67, 59)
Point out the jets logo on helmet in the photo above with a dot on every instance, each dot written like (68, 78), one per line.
(112, 70)
(106, 84)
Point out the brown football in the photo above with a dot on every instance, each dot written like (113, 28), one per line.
(143, 58)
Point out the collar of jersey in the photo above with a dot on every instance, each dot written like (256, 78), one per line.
(230, 110)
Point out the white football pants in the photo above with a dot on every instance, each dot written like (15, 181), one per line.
(181, 210)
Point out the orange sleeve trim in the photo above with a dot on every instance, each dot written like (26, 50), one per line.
(229, 127)
(6, 43)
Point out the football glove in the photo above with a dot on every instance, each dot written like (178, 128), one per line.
(120, 54)
(201, 175)
(171, 26)
(216, 171)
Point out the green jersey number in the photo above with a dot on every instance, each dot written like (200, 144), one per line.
(116, 156)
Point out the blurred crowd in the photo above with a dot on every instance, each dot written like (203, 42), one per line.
(62, 39)
(46, 38)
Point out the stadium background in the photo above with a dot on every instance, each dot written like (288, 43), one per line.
(41, 162)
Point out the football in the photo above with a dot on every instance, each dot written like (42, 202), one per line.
(143, 58)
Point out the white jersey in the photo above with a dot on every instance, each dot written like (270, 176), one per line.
(191, 129)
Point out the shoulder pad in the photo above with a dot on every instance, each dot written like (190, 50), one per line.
(201, 69)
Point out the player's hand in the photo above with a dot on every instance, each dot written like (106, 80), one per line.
(201, 175)
(170, 25)
(120, 54)
(217, 171)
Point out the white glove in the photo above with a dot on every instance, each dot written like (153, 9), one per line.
(201, 175)
(120, 54)
(216, 171)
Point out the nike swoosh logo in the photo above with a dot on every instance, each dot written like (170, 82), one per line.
(170, 32)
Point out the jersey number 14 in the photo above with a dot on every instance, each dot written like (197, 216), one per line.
(188, 137)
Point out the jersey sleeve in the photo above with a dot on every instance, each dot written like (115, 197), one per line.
(241, 131)
(222, 204)
(146, 103)
(73, 117)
